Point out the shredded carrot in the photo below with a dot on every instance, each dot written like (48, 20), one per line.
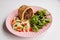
(13, 22)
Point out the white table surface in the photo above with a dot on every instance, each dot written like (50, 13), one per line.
(53, 33)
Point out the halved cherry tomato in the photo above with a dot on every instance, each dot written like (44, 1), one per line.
(30, 29)
(25, 24)
(26, 30)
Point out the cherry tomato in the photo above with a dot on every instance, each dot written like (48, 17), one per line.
(26, 30)
(31, 29)
(25, 24)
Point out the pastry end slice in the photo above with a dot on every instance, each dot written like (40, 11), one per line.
(25, 12)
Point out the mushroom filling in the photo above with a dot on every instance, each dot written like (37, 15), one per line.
(28, 14)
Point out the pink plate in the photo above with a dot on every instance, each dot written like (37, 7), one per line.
(26, 34)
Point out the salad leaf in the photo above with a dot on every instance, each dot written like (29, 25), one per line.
(47, 20)
(35, 28)
(42, 12)
(34, 19)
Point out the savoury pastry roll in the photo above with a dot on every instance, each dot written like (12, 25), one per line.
(25, 12)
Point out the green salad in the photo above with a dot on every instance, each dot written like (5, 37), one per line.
(39, 20)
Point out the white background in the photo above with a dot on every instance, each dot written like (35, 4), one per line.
(53, 33)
